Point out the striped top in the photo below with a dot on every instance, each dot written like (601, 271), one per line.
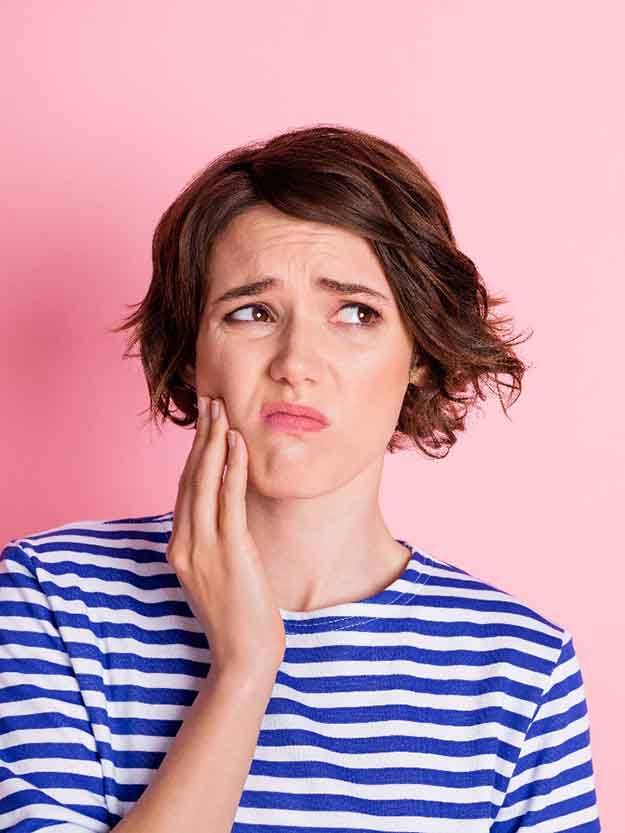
(439, 704)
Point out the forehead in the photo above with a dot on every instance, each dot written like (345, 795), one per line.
(265, 238)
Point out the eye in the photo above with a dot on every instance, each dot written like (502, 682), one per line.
(370, 311)
(229, 316)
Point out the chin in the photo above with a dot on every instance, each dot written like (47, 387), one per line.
(282, 479)
(284, 484)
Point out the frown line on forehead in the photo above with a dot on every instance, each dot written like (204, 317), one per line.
(264, 283)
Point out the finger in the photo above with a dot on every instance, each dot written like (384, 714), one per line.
(202, 432)
(206, 474)
(181, 536)
(232, 507)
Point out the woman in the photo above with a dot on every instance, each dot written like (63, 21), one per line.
(268, 656)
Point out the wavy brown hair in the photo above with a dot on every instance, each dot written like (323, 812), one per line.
(348, 178)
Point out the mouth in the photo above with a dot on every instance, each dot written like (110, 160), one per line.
(287, 415)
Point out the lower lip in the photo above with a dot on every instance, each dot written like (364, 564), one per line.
(290, 422)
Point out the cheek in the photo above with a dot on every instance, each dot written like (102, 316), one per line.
(377, 404)
(217, 360)
(379, 387)
(233, 377)
(368, 413)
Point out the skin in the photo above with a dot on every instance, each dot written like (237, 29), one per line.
(312, 499)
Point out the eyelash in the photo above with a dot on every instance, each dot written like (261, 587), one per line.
(376, 315)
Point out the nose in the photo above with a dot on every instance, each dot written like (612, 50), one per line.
(297, 355)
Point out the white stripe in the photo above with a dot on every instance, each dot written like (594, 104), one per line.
(539, 802)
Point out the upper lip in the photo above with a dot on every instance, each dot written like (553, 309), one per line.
(292, 408)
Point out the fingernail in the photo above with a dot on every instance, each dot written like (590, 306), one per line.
(214, 408)
(232, 438)
(201, 406)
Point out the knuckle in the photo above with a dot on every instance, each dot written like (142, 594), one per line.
(197, 482)
(177, 557)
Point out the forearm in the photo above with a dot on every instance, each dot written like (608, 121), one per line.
(202, 776)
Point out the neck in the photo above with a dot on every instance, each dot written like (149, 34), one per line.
(326, 549)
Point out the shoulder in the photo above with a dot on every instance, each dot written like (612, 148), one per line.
(480, 616)
(86, 545)
(489, 602)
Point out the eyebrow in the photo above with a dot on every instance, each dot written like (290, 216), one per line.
(257, 287)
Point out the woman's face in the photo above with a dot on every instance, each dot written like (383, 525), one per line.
(301, 343)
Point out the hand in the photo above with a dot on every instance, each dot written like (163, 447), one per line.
(215, 558)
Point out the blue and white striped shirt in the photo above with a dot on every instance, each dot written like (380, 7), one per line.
(439, 705)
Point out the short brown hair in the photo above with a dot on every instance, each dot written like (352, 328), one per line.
(348, 178)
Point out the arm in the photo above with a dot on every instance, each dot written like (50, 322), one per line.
(203, 774)
(552, 787)
(50, 773)
(199, 783)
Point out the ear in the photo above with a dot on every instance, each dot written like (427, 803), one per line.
(418, 375)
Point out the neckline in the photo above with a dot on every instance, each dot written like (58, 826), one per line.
(351, 613)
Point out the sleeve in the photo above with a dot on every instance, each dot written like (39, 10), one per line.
(552, 786)
(50, 774)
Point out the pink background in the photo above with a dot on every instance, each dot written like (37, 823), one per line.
(513, 109)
